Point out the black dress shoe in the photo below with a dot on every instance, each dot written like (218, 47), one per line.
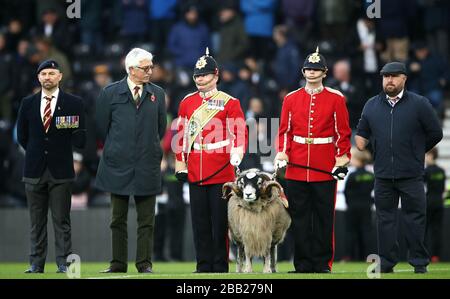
(113, 270)
(62, 269)
(420, 269)
(385, 270)
(145, 270)
(34, 269)
(324, 271)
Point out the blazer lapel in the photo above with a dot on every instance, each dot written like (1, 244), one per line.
(37, 109)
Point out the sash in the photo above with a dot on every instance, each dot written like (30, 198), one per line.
(203, 114)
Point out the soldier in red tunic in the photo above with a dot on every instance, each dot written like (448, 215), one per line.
(314, 133)
(211, 140)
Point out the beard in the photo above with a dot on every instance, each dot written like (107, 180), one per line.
(49, 85)
(392, 90)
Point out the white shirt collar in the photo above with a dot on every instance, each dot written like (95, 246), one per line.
(132, 85)
(399, 96)
(393, 101)
(55, 95)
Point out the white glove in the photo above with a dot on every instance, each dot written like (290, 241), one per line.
(339, 172)
(235, 160)
(279, 164)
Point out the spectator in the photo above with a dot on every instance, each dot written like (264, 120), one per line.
(436, 24)
(14, 34)
(232, 84)
(334, 19)
(358, 196)
(363, 50)
(298, 18)
(188, 38)
(134, 21)
(24, 81)
(102, 78)
(287, 59)
(171, 215)
(53, 28)
(6, 84)
(393, 28)
(435, 186)
(162, 15)
(233, 40)
(259, 19)
(351, 88)
(47, 51)
(91, 25)
(429, 75)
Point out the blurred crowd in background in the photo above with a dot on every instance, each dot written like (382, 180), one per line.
(260, 46)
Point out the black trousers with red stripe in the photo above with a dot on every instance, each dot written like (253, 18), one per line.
(311, 206)
(209, 214)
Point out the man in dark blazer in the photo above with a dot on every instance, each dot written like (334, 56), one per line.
(131, 120)
(49, 123)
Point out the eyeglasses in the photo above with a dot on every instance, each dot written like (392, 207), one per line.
(145, 68)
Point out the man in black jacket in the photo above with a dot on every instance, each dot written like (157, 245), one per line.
(49, 124)
(401, 127)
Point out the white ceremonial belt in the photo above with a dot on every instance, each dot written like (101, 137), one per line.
(319, 140)
(211, 146)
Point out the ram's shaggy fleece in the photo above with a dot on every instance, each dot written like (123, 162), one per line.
(257, 228)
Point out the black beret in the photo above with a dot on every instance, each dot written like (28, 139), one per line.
(393, 68)
(48, 64)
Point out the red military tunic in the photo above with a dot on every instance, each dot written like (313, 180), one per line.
(225, 132)
(323, 115)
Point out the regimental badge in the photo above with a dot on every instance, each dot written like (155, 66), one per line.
(67, 122)
(201, 63)
(314, 58)
(193, 126)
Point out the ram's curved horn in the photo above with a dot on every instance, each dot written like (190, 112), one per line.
(267, 188)
(227, 188)
(265, 176)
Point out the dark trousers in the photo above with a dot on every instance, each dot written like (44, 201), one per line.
(412, 193)
(358, 220)
(210, 227)
(311, 206)
(168, 223)
(145, 209)
(48, 193)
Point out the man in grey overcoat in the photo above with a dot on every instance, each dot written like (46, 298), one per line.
(131, 121)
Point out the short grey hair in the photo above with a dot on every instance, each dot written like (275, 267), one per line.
(135, 56)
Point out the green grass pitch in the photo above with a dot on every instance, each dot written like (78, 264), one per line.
(184, 271)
